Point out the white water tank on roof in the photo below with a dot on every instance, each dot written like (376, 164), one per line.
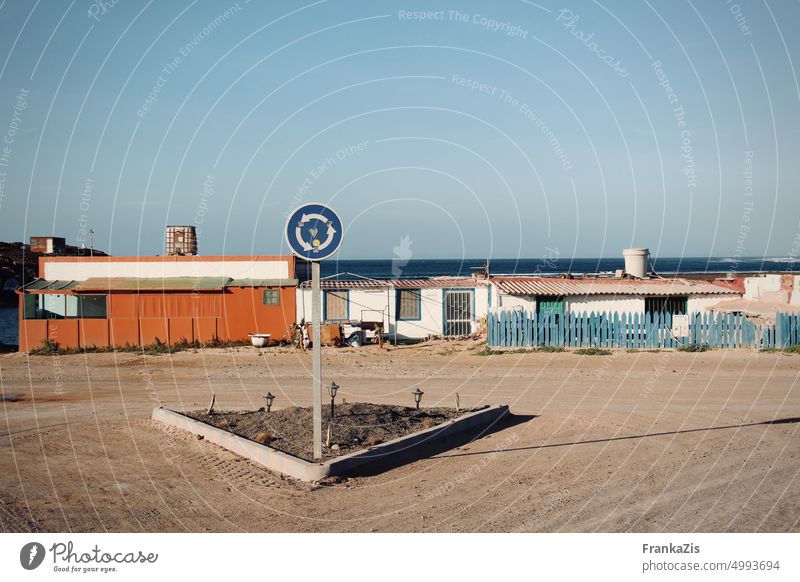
(636, 262)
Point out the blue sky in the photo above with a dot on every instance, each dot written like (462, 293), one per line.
(474, 129)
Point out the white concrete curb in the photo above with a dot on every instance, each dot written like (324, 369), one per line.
(340, 466)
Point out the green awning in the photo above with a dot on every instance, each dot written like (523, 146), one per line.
(153, 284)
(263, 283)
(45, 285)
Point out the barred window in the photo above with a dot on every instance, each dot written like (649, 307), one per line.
(671, 305)
(409, 304)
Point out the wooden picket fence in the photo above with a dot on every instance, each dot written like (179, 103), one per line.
(613, 330)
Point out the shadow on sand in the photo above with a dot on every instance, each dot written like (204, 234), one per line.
(790, 420)
(436, 447)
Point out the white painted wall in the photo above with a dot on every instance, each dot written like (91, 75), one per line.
(701, 303)
(82, 270)
(768, 288)
(382, 300)
(527, 302)
(603, 303)
(430, 322)
(795, 298)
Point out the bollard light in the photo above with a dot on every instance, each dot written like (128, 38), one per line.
(332, 391)
(268, 400)
(417, 396)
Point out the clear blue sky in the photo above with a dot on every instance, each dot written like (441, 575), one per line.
(479, 129)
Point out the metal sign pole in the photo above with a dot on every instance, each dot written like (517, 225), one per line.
(316, 359)
(314, 233)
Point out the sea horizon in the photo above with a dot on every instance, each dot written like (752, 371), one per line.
(416, 268)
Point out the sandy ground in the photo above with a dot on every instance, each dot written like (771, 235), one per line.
(630, 442)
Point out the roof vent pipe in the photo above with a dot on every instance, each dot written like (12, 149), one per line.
(636, 261)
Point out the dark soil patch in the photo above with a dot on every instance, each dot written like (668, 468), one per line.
(356, 426)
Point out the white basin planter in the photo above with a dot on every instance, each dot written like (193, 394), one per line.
(259, 340)
(384, 453)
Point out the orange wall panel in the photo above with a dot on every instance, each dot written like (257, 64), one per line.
(123, 305)
(277, 319)
(124, 331)
(63, 332)
(32, 332)
(244, 312)
(94, 332)
(181, 328)
(238, 314)
(205, 329)
(152, 330)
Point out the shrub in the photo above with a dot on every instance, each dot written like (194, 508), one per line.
(693, 348)
(544, 348)
(790, 350)
(592, 352)
(373, 440)
(428, 423)
(47, 348)
(263, 438)
(487, 351)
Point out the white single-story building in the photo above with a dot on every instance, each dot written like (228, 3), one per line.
(407, 309)
(774, 288)
(765, 296)
(609, 295)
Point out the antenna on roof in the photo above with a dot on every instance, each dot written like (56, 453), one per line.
(481, 272)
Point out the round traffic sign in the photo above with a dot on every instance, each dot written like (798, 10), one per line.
(314, 231)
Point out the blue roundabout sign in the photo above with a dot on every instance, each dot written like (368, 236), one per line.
(314, 231)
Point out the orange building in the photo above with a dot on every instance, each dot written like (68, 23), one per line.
(121, 301)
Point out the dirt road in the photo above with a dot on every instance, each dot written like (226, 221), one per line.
(629, 442)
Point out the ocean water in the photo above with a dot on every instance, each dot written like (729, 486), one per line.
(384, 268)
(9, 326)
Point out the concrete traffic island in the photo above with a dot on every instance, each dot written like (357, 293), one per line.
(370, 460)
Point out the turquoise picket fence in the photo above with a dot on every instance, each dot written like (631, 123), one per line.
(613, 330)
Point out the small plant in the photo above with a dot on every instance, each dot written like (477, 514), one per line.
(47, 348)
(487, 351)
(373, 440)
(263, 438)
(790, 350)
(428, 423)
(549, 349)
(592, 352)
(693, 348)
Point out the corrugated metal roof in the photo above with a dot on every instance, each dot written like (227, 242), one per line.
(44, 285)
(584, 286)
(153, 284)
(432, 283)
(263, 283)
